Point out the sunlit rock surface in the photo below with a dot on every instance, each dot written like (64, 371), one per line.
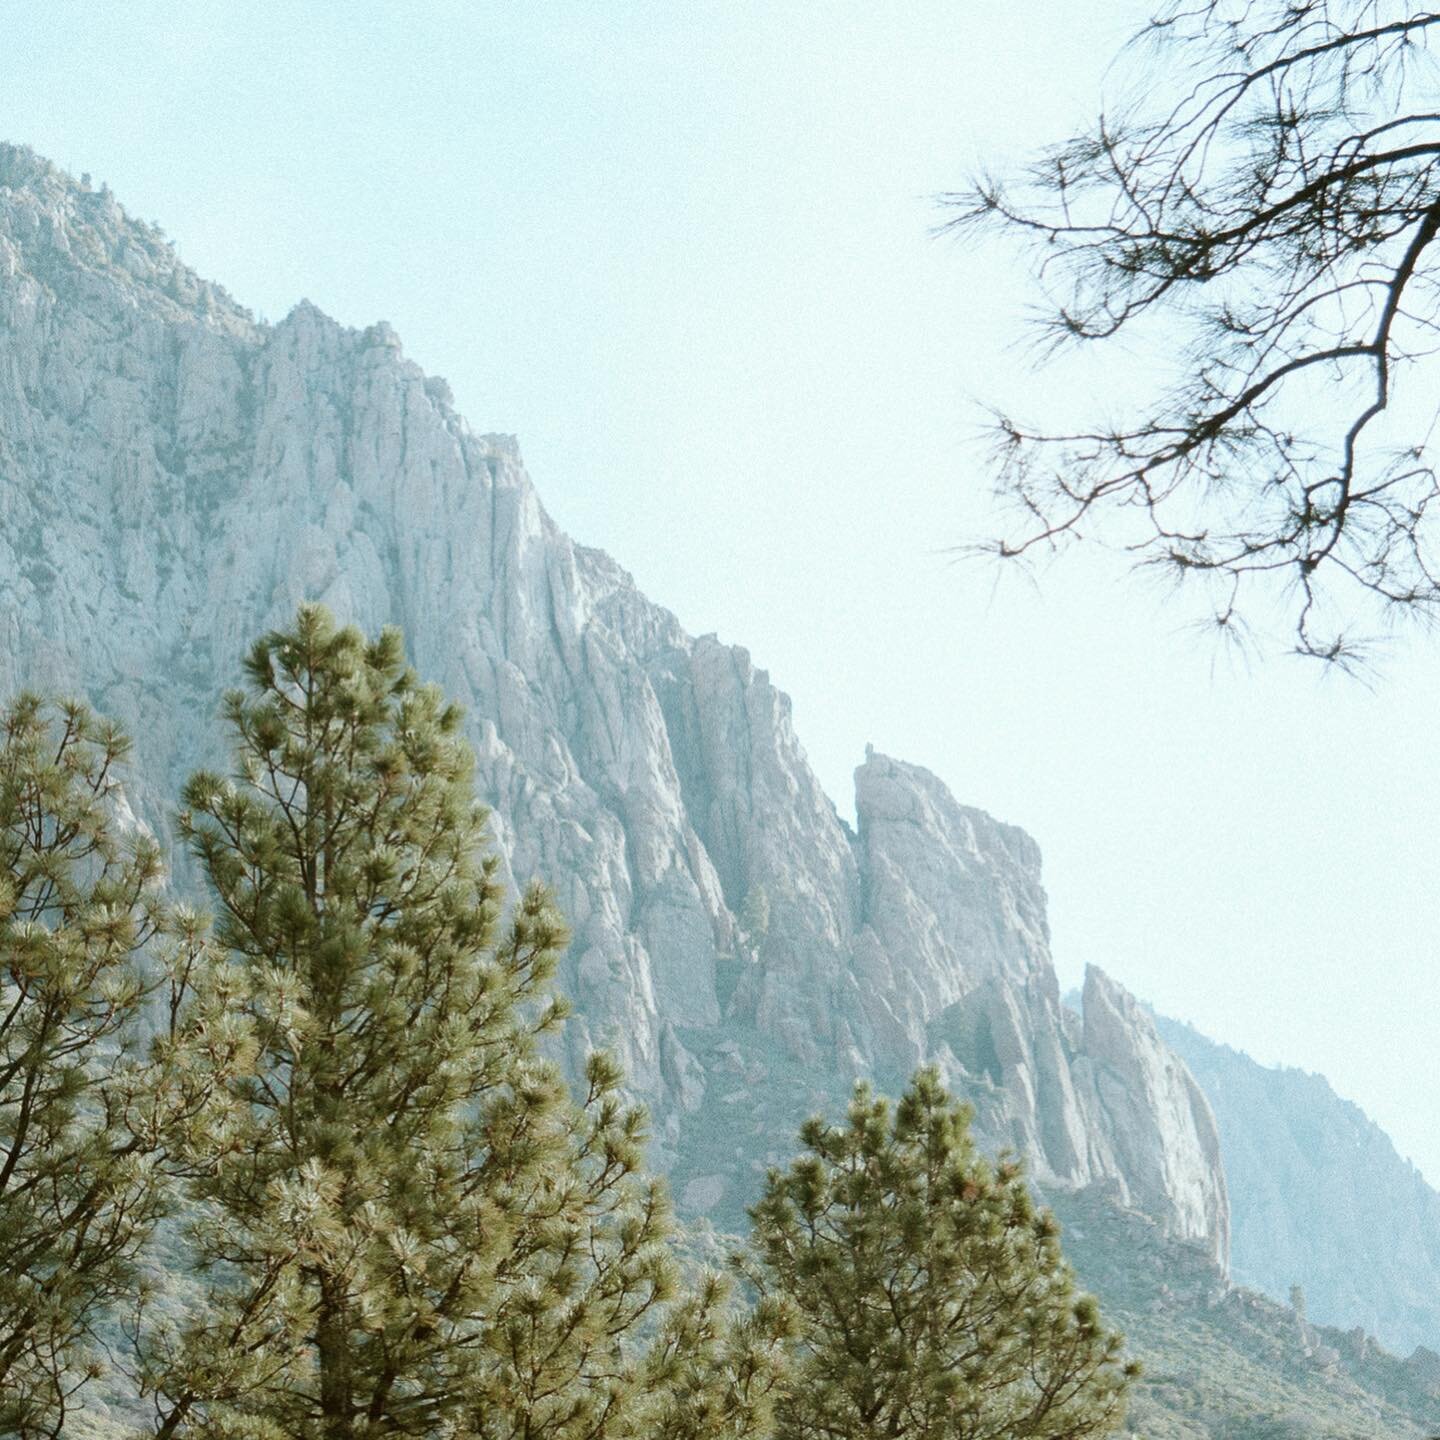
(175, 477)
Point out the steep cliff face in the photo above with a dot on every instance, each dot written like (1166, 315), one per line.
(1321, 1198)
(175, 477)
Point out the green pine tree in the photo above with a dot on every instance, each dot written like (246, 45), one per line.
(407, 1226)
(79, 1190)
(931, 1296)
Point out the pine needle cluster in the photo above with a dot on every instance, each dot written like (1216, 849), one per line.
(936, 1303)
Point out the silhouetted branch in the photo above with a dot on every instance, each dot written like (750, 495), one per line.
(1282, 216)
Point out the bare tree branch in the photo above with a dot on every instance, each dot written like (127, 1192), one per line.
(1279, 218)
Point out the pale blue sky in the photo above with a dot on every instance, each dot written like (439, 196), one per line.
(683, 251)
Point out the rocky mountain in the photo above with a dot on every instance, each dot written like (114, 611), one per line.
(1321, 1200)
(178, 477)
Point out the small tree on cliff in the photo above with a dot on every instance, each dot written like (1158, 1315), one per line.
(408, 1226)
(931, 1294)
(78, 1190)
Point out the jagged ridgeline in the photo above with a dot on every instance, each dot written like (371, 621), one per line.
(176, 477)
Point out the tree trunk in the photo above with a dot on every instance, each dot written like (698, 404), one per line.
(332, 1341)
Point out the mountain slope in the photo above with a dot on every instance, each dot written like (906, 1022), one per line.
(1224, 1363)
(1320, 1197)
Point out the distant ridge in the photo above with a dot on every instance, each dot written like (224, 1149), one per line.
(1319, 1196)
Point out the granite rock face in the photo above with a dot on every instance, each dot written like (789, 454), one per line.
(175, 477)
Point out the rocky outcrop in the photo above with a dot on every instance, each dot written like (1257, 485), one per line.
(175, 478)
(1158, 1118)
(1101, 1103)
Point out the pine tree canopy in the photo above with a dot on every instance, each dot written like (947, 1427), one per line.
(398, 1218)
(407, 1225)
(931, 1298)
(79, 1191)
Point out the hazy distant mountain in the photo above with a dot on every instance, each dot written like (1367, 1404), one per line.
(1319, 1197)
(175, 477)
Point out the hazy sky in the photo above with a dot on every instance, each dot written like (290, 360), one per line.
(683, 251)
